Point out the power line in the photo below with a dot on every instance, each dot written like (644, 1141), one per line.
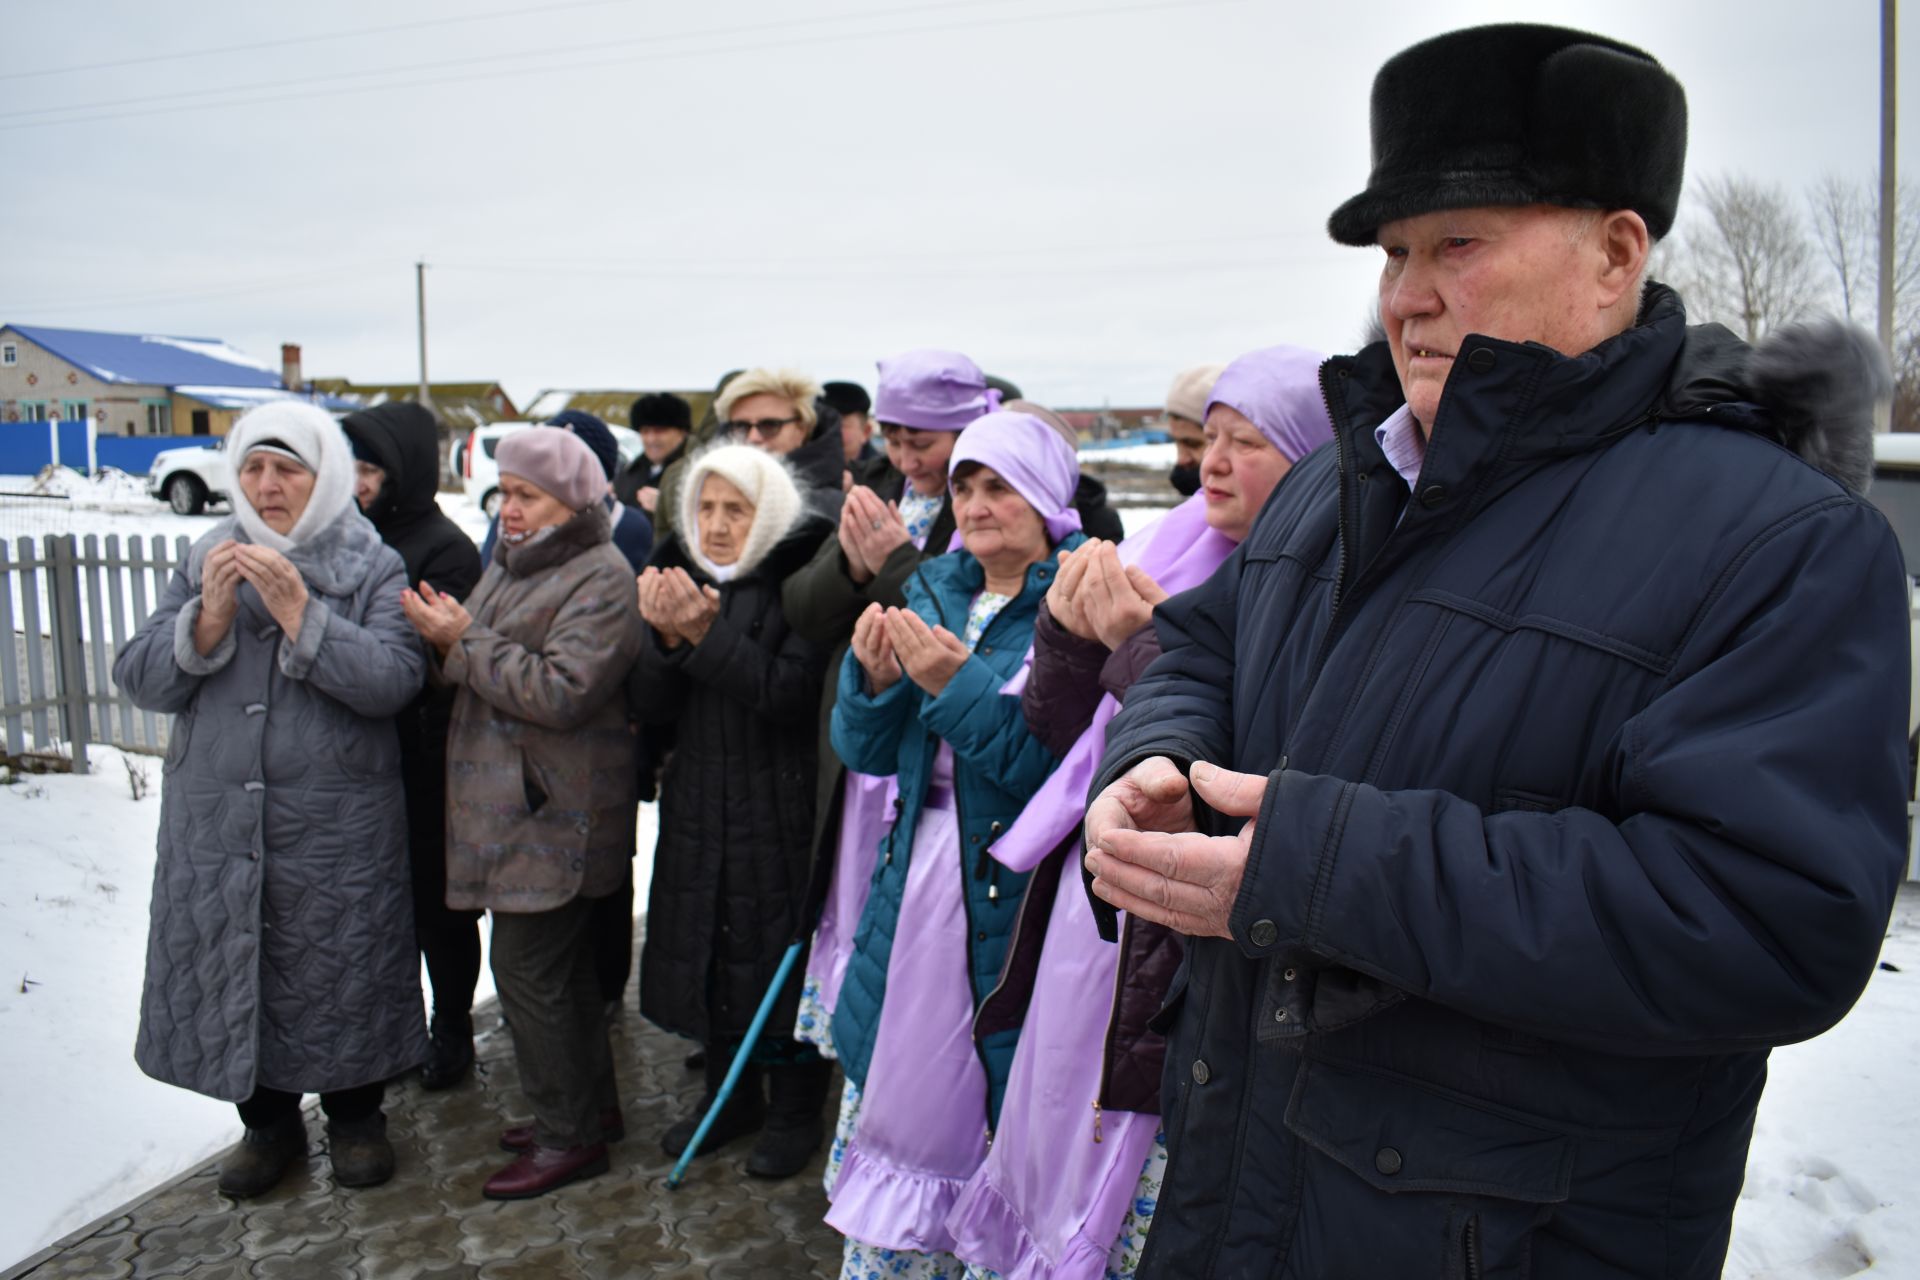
(519, 57)
(106, 302)
(1119, 268)
(909, 255)
(514, 56)
(318, 38)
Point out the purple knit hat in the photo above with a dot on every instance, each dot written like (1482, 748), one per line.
(932, 390)
(556, 460)
(1031, 457)
(1277, 389)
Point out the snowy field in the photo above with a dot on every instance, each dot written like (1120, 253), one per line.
(1829, 1190)
(1154, 457)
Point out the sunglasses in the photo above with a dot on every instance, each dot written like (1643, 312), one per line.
(765, 428)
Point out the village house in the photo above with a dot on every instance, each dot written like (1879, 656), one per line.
(132, 384)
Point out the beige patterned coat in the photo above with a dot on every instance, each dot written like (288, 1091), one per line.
(540, 758)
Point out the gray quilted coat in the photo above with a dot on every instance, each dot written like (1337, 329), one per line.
(281, 949)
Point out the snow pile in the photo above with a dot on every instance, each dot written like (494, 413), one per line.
(76, 871)
(109, 488)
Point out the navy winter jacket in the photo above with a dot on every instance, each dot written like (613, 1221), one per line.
(1586, 775)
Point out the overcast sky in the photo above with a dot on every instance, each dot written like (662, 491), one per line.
(1084, 196)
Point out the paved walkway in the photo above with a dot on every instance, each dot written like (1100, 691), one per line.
(430, 1222)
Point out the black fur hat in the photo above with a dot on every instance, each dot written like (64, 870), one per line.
(1520, 114)
(847, 397)
(661, 409)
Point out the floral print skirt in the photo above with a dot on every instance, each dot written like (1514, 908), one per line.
(1123, 1260)
(870, 1262)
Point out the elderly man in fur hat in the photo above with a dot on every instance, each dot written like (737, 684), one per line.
(1538, 762)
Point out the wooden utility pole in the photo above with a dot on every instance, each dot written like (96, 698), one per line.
(420, 295)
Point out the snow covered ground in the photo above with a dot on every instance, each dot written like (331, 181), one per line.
(76, 873)
(1830, 1192)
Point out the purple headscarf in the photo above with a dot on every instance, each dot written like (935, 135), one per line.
(932, 390)
(1032, 458)
(1277, 389)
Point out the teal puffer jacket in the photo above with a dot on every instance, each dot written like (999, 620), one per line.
(997, 766)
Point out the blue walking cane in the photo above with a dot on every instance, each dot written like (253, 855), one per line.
(754, 1029)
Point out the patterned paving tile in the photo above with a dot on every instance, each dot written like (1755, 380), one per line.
(431, 1223)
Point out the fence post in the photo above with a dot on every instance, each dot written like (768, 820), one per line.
(69, 652)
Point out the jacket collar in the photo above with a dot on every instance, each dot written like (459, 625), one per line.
(958, 572)
(584, 531)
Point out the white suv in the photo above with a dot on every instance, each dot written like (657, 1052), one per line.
(473, 459)
(188, 479)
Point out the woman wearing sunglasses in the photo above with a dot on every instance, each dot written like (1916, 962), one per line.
(780, 410)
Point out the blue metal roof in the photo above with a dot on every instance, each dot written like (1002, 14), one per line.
(153, 359)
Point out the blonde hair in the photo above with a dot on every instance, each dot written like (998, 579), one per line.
(788, 384)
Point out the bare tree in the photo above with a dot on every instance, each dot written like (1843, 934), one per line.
(1744, 258)
(1846, 225)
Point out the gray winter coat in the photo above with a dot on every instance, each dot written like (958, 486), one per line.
(281, 948)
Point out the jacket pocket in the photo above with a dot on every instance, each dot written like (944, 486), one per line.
(1513, 800)
(179, 735)
(1445, 1186)
(1162, 1020)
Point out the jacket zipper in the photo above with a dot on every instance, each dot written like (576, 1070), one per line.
(1105, 1081)
(960, 829)
(1470, 1248)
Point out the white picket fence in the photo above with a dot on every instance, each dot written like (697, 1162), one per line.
(67, 605)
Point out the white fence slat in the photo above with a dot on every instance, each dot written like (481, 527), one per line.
(10, 691)
(39, 687)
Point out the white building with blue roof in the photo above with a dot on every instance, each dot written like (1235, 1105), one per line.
(135, 384)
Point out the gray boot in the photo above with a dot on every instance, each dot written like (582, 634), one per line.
(262, 1158)
(360, 1152)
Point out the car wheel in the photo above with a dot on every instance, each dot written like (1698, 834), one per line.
(490, 503)
(186, 495)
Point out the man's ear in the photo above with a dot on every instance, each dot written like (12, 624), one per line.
(1624, 244)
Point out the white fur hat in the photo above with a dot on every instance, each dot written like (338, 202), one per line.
(309, 435)
(768, 483)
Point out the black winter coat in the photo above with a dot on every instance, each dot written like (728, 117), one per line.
(736, 801)
(643, 474)
(1586, 785)
(406, 442)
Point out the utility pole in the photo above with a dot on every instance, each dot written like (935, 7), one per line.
(1889, 187)
(420, 295)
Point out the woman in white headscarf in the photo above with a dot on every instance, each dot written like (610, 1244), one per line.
(736, 799)
(280, 959)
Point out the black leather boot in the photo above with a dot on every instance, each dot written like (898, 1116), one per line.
(359, 1151)
(744, 1113)
(450, 1052)
(263, 1157)
(796, 1095)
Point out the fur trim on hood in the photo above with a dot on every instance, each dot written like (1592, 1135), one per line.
(1810, 387)
(1820, 383)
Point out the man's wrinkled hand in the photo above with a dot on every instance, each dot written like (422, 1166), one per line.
(1173, 877)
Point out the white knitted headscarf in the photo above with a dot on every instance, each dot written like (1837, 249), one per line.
(768, 483)
(310, 435)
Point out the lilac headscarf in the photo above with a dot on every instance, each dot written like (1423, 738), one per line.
(1277, 389)
(1032, 458)
(932, 390)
